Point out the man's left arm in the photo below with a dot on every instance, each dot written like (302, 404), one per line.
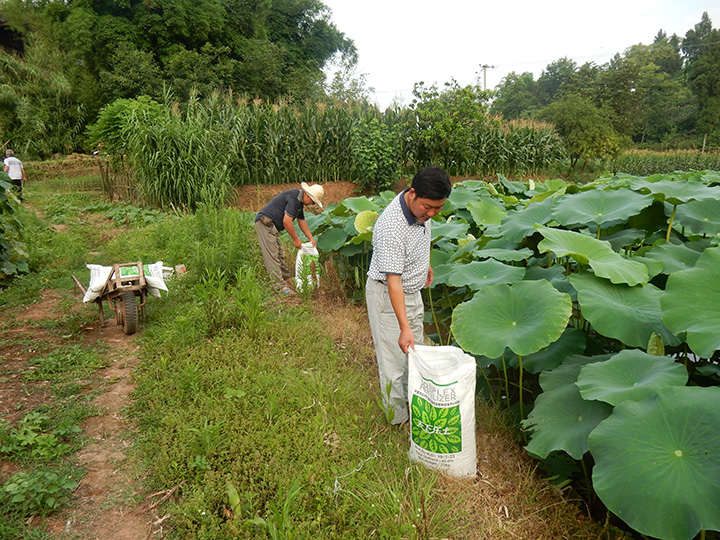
(306, 231)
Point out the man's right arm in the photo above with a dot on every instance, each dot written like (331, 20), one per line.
(397, 299)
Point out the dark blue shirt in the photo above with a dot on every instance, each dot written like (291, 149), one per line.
(288, 202)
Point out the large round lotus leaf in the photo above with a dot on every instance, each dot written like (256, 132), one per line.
(479, 274)
(572, 342)
(449, 229)
(657, 462)
(332, 240)
(358, 204)
(691, 303)
(628, 314)
(677, 191)
(524, 317)
(630, 375)
(485, 213)
(562, 420)
(521, 223)
(674, 257)
(602, 208)
(701, 217)
(598, 254)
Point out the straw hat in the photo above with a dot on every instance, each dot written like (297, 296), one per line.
(315, 192)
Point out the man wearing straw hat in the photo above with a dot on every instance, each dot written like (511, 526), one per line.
(15, 170)
(399, 269)
(278, 215)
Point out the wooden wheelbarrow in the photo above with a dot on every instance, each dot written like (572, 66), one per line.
(125, 284)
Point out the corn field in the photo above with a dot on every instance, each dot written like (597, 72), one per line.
(194, 153)
(646, 162)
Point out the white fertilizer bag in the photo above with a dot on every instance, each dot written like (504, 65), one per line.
(441, 389)
(307, 271)
(99, 275)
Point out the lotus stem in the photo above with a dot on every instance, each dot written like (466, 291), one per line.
(520, 380)
(672, 219)
(507, 386)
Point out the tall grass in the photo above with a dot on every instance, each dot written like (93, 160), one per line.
(193, 153)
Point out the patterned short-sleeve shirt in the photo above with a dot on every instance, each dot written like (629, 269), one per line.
(401, 245)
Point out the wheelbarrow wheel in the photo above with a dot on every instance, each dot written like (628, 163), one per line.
(130, 312)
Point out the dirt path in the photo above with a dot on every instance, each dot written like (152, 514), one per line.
(107, 503)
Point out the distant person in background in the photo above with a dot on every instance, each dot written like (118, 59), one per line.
(278, 215)
(15, 170)
(399, 268)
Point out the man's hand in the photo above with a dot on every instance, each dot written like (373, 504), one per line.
(297, 242)
(406, 341)
(430, 275)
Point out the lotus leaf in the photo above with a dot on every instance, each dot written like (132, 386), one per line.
(674, 257)
(657, 462)
(479, 274)
(485, 213)
(332, 240)
(441, 274)
(629, 375)
(624, 238)
(521, 223)
(365, 220)
(701, 217)
(511, 187)
(676, 191)
(507, 255)
(359, 204)
(562, 420)
(461, 197)
(454, 229)
(598, 254)
(572, 342)
(568, 372)
(524, 317)
(628, 314)
(603, 208)
(691, 303)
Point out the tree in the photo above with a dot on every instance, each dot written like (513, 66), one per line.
(515, 96)
(553, 78)
(586, 130)
(702, 49)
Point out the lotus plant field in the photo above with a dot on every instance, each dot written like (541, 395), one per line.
(594, 314)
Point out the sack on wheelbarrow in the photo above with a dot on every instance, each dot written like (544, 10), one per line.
(99, 275)
(441, 390)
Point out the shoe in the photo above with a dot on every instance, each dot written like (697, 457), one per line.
(287, 291)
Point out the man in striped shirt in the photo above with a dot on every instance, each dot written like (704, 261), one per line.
(399, 268)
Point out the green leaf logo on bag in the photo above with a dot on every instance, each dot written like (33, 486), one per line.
(437, 429)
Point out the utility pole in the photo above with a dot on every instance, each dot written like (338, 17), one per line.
(484, 68)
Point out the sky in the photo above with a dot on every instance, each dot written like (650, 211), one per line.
(402, 42)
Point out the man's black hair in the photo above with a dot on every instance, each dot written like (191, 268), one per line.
(431, 183)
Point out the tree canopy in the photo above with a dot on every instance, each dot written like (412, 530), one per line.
(83, 54)
(666, 90)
